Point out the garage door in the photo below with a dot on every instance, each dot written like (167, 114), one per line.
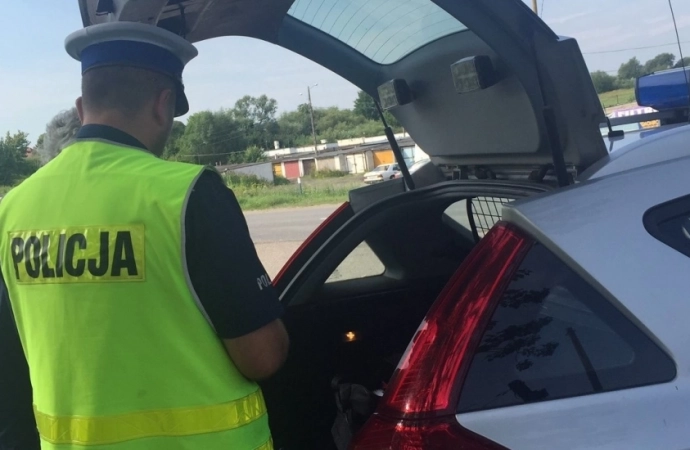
(309, 166)
(383, 157)
(355, 163)
(278, 169)
(292, 169)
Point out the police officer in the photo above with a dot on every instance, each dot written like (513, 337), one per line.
(131, 282)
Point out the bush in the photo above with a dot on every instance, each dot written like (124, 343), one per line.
(281, 181)
(329, 173)
(242, 180)
(603, 82)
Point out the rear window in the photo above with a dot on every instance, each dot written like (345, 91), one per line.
(670, 223)
(553, 336)
(478, 214)
(381, 30)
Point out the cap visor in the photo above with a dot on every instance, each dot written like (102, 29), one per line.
(181, 103)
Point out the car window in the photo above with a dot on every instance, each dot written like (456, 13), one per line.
(382, 31)
(361, 263)
(553, 336)
(457, 212)
(486, 211)
(670, 223)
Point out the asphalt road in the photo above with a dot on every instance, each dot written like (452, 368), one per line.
(277, 233)
(289, 224)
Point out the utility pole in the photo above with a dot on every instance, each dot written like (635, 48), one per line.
(534, 7)
(311, 113)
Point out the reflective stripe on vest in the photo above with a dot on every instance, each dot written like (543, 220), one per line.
(156, 423)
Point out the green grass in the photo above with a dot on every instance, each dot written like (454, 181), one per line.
(617, 97)
(328, 173)
(253, 193)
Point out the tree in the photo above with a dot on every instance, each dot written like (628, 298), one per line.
(256, 117)
(14, 165)
(60, 132)
(210, 137)
(295, 126)
(172, 147)
(684, 62)
(603, 82)
(39, 141)
(630, 70)
(365, 106)
(662, 61)
(252, 154)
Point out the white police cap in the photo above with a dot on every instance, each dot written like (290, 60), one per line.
(137, 45)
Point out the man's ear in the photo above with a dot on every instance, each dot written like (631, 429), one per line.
(80, 109)
(164, 104)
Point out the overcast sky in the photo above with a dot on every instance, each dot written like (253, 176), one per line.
(37, 78)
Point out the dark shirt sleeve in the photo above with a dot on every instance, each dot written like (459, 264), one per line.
(17, 423)
(225, 271)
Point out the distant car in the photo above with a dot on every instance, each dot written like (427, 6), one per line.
(414, 167)
(382, 173)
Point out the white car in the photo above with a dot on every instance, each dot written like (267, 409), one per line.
(382, 173)
(415, 167)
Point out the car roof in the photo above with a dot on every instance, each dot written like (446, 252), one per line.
(597, 228)
(542, 94)
(643, 148)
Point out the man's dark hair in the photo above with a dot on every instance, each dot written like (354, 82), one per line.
(121, 88)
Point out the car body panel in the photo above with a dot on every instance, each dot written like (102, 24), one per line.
(537, 71)
(651, 417)
(577, 223)
(642, 148)
(607, 213)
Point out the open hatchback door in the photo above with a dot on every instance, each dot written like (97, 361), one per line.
(505, 109)
(482, 85)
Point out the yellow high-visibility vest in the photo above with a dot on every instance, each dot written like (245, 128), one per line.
(120, 352)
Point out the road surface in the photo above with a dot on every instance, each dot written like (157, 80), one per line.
(289, 224)
(277, 233)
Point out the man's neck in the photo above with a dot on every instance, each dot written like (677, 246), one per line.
(124, 125)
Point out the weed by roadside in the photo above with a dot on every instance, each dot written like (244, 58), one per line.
(280, 181)
(255, 193)
(617, 97)
(329, 173)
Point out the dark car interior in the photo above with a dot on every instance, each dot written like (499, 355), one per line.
(349, 335)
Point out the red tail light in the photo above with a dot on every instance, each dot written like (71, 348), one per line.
(308, 241)
(436, 434)
(418, 409)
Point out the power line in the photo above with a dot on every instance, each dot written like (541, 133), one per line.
(634, 48)
(541, 10)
